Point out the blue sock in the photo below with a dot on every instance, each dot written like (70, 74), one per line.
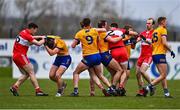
(166, 90)
(150, 86)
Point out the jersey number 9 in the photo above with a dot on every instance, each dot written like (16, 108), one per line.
(89, 39)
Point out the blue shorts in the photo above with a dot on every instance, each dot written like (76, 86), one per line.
(62, 61)
(92, 60)
(157, 59)
(105, 58)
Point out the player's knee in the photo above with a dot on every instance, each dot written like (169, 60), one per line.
(31, 73)
(142, 71)
(163, 76)
(51, 77)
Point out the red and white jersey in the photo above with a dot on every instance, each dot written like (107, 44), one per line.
(22, 42)
(116, 33)
(146, 49)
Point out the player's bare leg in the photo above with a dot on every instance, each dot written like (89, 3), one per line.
(92, 86)
(60, 84)
(117, 71)
(121, 90)
(29, 69)
(165, 88)
(139, 81)
(96, 80)
(20, 81)
(162, 68)
(52, 73)
(80, 68)
(100, 75)
(143, 70)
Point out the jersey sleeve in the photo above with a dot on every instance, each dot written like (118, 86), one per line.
(29, 37)
(164, 32)
(77, 36)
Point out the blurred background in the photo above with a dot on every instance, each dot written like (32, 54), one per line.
(62, 17)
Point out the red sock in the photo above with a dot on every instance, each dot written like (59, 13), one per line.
(15, 87)
(121, 86)
(141, 91)
(38, 89)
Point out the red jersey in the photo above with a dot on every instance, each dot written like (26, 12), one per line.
(116, 33)
(146, 49)
(22, 42)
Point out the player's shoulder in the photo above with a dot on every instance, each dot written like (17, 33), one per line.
(118, 32)
(81, 31)
(160, 28)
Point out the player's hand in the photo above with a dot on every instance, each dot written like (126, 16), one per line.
(173, 54)
(45, 39)
(142, 37)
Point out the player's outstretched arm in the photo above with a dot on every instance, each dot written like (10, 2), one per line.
(134, 33)
(109, 37)
(38, 43)
(74, 43)
(101, 29)
(113, 40)
(39, 37)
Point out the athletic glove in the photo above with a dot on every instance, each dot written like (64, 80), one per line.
(142, 37)
(173, 54)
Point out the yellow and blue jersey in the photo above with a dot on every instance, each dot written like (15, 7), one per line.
(102, 43)
(60, 44)
(88, 39)
(158, 47)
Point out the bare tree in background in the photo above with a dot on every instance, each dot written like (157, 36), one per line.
(2, 18)
(73, 11)
(91, 8)
(32, 10)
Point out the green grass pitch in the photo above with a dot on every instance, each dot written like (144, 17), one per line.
(28, 100)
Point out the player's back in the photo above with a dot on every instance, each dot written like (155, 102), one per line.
(88, 39)
(102, 43)
(158, 47)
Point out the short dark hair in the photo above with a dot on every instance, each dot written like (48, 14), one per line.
(81, 24)
(153, 21)
(127, 27)
(114, 25)
(86, 22)
(160, 19)
(101, 23)
(50, 42)
(32, 25)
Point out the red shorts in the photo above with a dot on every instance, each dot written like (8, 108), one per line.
(144, 59)
(120, 54)
(20, 59)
